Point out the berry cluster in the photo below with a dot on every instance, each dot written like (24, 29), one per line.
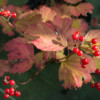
(95, 47)
(84, 61)
(11, 91)
(7, 13)
(94, 41)
(97, 85)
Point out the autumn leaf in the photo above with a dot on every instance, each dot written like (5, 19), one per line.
(72, 1)
(97, 62)
(20, 55)
(85, 46)
(27, 18)
(72, 74)
(81, 9)
(80, 25)
(6, 29)
(4, 67)
(47, 13)
(51, 37)
(62, 11)
(39, 61)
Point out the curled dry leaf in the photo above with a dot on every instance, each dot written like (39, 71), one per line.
(72, 74)
(4, 67)
(51, 35)
(20, 55)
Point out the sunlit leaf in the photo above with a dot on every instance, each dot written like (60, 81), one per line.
(72, 74)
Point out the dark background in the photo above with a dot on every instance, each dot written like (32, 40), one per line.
(46, 86)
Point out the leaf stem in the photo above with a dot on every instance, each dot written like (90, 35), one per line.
(30, 79)
(14, 28)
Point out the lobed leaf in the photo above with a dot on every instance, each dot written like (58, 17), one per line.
(20, 55)
(72, 74)
(51, 36)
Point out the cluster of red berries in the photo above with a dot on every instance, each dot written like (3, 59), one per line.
(97, 85)
(7, 13)
(75, 36)
(95, 47)
(11, 91)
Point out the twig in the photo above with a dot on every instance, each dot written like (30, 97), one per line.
(30, 79)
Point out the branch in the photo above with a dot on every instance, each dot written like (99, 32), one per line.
(30, 79)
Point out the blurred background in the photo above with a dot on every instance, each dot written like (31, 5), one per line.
(46, 86)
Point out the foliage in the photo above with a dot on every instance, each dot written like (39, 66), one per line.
(50, 30)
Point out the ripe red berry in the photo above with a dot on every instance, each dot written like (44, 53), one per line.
(6, 13)
(12, 82)
(75, 50)
(6, 96)
(7, 77)
(97, 53)
(11, 93)
(97, 71)
(92, 85)
(95, 47)
(80, 53)
(75, 36)
(98, 87)
(85, 61)
(17, 93)
(94, 41)
(1, 13)
(81, 38)
(97, 84)
(11, 90)
(77, 32)
(5, 83)
(13, 15)
(7, 91)
(83, 66)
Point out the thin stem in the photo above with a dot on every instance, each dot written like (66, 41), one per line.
(14, 28)
(30, 79)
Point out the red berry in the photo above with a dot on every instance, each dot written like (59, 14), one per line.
(5, 83)
(12, 82)
(17, 93)
(7, 91)
(97, 84)
(75, 36)
(6, 96)
(83, 66)
(81, 38)
(11, 94)
(80, 53)
(97, 53)
(92, 85)
(77, 32)
(13, 15)
(1, 13)
(85, 61)
(94, 41)
(98, 87)
(7, 77)
(97, 71)
(6, 13)
(95, 47)
(11, 90)
(75, 50)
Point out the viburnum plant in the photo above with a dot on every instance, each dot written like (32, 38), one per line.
(54, 30)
